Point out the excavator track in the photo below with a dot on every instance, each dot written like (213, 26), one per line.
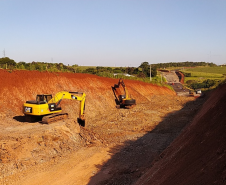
(54, 118)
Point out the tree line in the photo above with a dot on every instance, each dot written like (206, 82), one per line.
(142, 71)
(7, 63)
(183, 64)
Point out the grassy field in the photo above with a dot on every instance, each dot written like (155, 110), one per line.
(202, 73)
(216, 70)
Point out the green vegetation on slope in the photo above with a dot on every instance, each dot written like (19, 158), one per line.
(204, 77)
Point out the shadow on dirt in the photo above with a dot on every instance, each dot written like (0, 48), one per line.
(20, 118)
(132, 159)
(23, 119)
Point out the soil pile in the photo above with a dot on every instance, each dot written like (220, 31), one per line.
(198, 155)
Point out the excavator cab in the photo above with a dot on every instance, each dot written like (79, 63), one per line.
(43, 97)
(121, 97)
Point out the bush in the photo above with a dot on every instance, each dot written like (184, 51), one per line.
(189, 82)
(141, 75)
(187, 74)
(205, 84)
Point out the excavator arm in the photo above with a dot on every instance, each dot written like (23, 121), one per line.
(71, 96)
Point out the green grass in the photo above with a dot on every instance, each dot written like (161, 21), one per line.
(204, 75)
(85, 67)
(200, 74)
(212, 70)
(201, 79)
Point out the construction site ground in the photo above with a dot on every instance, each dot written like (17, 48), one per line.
(116, 146)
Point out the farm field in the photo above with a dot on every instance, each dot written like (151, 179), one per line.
(202, 73)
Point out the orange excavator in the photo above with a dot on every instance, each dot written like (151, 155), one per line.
(122, 100)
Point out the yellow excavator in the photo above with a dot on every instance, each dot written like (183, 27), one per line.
(122, 100)
(48, 107)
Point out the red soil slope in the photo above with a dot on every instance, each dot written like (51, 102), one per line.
(181, 76)
(198, 155)
(24, 145)
(18, 86)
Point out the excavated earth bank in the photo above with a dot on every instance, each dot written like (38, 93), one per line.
(117, 146)
(198, 155)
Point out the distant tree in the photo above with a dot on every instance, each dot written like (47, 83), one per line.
(7, 62)
(60, 66)
(122, 69)
(153, 72)
(32, 66)
(117, 70)
(212, 65)
(141, 75)
(183, 64)
(145, 66)
(21, 65)
(209, 83)
(205, 84)
(109, 69)
(136, 71)
(100, 69)
(189, 82)
(130, 70)
(39, 66)
(90, 70)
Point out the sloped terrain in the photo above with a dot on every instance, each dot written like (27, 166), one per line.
(198, 155)
(116, 145)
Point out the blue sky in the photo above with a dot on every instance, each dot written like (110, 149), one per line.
(113, 32)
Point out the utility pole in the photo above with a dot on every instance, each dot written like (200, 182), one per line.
(150, 72)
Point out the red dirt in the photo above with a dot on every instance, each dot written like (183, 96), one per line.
(117, 146)
(198, 155)
(18, 86)
(181, 76)
(25, 145)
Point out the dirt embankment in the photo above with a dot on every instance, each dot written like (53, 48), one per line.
(117, 146)
(198, 155)
(23, 145)
(180, 76)
(18, 86)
